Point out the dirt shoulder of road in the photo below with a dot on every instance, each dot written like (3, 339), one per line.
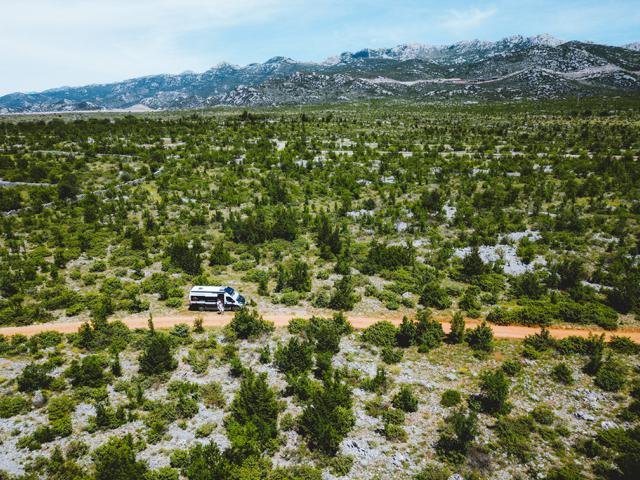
(212, 319)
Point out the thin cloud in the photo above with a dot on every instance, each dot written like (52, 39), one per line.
(464, 20)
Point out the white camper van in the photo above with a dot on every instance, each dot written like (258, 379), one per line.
(205, 297)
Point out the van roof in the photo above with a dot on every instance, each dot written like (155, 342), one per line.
(208, 288)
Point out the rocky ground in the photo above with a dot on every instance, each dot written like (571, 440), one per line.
(580, 409)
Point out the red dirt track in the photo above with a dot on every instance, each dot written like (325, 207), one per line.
(212, 319)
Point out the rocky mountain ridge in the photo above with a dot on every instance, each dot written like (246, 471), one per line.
(514, 67)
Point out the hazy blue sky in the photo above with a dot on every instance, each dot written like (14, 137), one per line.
(50, 43)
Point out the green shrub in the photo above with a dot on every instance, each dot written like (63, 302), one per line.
(429, 332)
(394, 433)
(391, 355)
(481, 338)
(624, 345)
(325, 333)
(543, 415)
(173, 302)
(392, 305)
(433, 472)
(511, 367)
(611, 376)
(405, 400)
(33, 377)
(539, 342)
(301, 472)
(394, 416)
(297, 326)
(197, 325)
(253, 414)
(457, 433)
(340, 465)
(378, 383)
(575, 345)
(205, 430)
(249, 323)
(321, 299)
(265, 355)
(565, 472)
(456, 334)
(89, 372)
(156, 356)
(116, 460)
(199, 361)
(494, 385)
(108, 418)
(327, 416)
(163, 473)
(294, 275)
(75, 309)
(288, 422)
(434, 296)
(562, 373)
(204, 462)
(59, 412)
(10, 406)
(382, 334)
(288, 298)
(343, 296)
(406, 333)
(212, 396)
(295, 357)
(514, 436)
(181, 330)
(450, 398)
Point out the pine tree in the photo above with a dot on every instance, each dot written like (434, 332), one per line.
(481, 338)
(116, 368)
(254, 413)
(406, 335)
(116, 460)
(456, 334)
(495, 391)
(327, 417)
(595, 358)
(156, 357)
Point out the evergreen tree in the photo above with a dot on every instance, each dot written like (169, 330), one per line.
(458, 432)
(156, 357)
(595, 357)
(249, 323)
(295, 357)
(254, 413)
(184, 255)
(456, 334)
(116, 460)
(327, 416)
(429, 333)
(206, 462)
(481, 338)
(433, 295)
(116, 368)
(472, 264)
(494, 385)
(220, 255)
(343, 297)
(406, 335)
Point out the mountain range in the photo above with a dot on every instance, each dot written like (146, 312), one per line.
(512, 68)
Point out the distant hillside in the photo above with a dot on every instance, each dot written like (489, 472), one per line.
(514, 67)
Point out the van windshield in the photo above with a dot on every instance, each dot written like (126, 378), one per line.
(230, 291)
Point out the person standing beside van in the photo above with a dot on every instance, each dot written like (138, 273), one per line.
(220, 306)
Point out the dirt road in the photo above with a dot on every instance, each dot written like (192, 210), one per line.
(212, 319)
